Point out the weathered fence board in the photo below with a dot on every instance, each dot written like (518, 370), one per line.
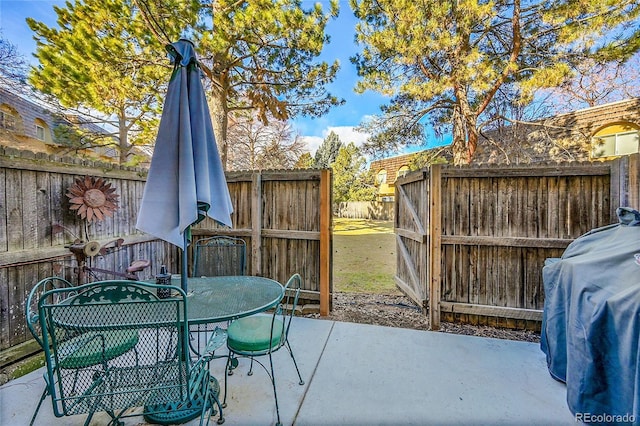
(326, 241)
(3, 211)
(494, 228)
(283, 223)
(5, 308)
(374, 210)
(634, 180)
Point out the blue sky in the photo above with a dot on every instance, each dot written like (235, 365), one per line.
(341, 120)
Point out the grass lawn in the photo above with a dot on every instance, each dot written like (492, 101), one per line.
(364, 256)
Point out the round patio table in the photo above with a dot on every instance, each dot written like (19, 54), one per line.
(220, 299)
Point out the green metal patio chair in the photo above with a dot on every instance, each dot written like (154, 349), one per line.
(33, 320)
(111, 346)
(219, 256)
(262, 335)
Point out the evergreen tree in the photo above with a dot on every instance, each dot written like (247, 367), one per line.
(445, 61)
(351, 179)
(97, 62)
(260, 55)
(305, 161)
(328, 151)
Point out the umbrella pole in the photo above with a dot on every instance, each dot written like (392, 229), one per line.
(183, 273)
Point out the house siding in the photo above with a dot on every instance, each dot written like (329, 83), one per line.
(24, 136)
(29, 112)
(391, 165)
(564, 137)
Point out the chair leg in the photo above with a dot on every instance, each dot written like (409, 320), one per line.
(275, 392)
(213, 401)
(250, 373)
(35, 413)
(217, 402)
(90, 416)
(226, 379)
(115, 420)
(301, 382)
(232, 363)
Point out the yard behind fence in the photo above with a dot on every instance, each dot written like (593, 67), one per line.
(374, 210)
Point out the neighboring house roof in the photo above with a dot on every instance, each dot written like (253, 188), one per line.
(391, 165)
(28, 113)
(28, 125)
(564, 137)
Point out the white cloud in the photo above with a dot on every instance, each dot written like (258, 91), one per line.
(313, 142)
(346, 134)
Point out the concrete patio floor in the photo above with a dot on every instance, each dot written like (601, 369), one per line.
(359, 374)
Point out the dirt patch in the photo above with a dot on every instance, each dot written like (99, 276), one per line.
(399, 311)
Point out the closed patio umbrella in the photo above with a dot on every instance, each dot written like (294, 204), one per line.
(186, 180)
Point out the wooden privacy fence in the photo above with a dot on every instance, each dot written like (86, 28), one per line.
(472, 241)
(285, 217)
(375, 210)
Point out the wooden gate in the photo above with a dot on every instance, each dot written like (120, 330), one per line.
(411, 222)
(472, 241)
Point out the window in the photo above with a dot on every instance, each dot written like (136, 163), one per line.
(381, 177)
(10, 119)
(402, 171)
(622, 143)
(7, 120)
(40, 133)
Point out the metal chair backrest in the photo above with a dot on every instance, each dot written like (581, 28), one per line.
(287, 307)
(31, 308)
(112, 345)
(220, 256)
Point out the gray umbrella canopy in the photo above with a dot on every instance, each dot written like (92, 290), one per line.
(186, 180)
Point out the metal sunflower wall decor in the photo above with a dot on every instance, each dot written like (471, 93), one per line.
(93, 198)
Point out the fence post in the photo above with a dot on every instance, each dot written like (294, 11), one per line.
(256, 223)
(634, 181)
(619, 196)
(435, 250)
(325, 241)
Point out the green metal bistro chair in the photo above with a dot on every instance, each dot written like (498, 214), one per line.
(219, 256)
(261, 335)
(113, 349)
(114, 345)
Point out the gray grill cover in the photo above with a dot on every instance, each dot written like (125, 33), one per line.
(591, 320)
